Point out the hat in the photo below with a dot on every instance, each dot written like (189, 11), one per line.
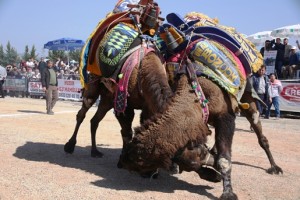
(294, 47)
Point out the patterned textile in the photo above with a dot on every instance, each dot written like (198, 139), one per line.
(206, 52)
(254, 57)
(113, 47)
(130, 63)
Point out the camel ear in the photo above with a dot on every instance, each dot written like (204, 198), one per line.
(110, 84)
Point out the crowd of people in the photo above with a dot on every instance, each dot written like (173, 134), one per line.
(32, 69)
(287, 58)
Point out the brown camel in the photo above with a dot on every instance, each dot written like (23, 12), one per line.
(180, 133)
(148, 87)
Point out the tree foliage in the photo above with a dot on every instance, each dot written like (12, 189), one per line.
(33, 52)
(2, 55)
(54, 55)
(74, 55)
(26, 54)
(11, 55)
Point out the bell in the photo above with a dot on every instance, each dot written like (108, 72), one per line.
(151, 19)
(171, 42)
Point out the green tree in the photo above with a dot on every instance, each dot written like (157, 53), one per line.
(2, 55)
(74, 55)
(26, 55)
(33, 52)
(11, 55)
(53, 55)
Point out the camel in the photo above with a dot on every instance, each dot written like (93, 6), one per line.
(148, 87)
(179, 135)
(200, 50)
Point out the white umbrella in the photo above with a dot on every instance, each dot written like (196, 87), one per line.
(287, 31)
(260, 37)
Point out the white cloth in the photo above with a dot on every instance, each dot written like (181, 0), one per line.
(275, 88)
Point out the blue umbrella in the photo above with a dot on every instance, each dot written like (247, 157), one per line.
(64, 44)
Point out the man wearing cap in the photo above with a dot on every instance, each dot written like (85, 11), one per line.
(294, 62)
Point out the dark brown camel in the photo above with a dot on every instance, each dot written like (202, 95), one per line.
(180, 133)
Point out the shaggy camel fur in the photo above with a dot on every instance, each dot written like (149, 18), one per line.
(148, 90)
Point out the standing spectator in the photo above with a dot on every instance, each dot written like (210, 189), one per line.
(274, 90)
(260, 84)
(3, 74)
(267, 47)
(49, 84)
(36, 74)
(287, 50)
(42, 65)
(279, 56)
(30, 63)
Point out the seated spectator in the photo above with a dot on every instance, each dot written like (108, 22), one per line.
(294, 62)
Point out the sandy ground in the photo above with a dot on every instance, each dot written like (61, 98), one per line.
(33, 164)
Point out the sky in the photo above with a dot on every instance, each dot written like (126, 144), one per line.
(35, 22)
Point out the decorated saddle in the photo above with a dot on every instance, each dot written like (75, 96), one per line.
(227, 55)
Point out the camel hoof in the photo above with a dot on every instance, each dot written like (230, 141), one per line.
(275, 170)
(96, 154)
(209, 174)
(69, 147)
(151, 174)
(228, 196)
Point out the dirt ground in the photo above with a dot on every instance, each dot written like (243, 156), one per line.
(33, 164)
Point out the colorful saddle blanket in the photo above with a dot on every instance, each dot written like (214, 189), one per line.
(114, 46)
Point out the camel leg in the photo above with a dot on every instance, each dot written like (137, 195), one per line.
(86, 105)
(224, 127)
(125, 121)
(257, 127)
(104, 106)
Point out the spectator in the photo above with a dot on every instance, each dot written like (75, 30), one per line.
(49, 84)
(287, 50)
(42, 65)
(279, 47)
(274, 90)
(294, 62)
(3, 74)
(61, 74)
(23, 72)
(297, 42)
(9, 70)
(30, 63)
(36, 74)
(267, 47)
(260, 84)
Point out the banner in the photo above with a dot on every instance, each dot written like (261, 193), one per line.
(269, 61)
(290, 96)
(67, 89)
(15, 85)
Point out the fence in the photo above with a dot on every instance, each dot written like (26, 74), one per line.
(67, 89)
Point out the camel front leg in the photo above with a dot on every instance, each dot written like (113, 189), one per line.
(224, 127)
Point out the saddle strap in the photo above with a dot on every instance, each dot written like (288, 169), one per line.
(198, 91)
(120, 102)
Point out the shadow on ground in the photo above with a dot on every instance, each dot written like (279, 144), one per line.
(106, 168)
(31, 111)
